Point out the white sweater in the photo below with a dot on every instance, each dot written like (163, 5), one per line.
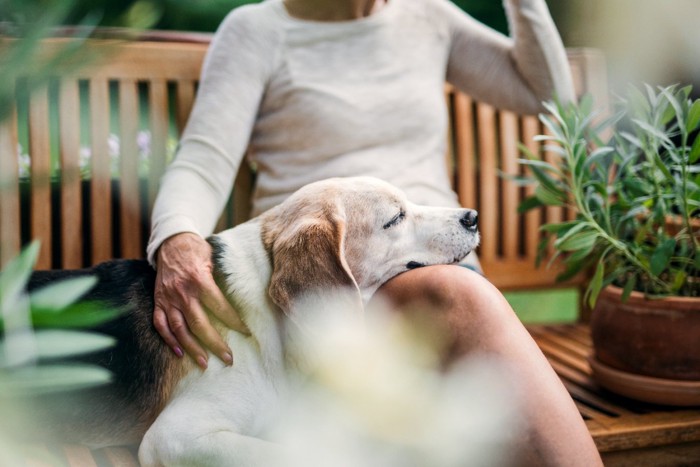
(363, 97)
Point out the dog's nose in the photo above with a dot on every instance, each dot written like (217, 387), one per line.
(470, 220)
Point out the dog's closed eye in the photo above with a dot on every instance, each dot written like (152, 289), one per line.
(395, 220)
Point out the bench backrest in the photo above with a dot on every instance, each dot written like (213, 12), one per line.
(80, 158)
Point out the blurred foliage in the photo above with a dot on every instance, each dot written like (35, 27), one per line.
(34, 332)
(32, 21)
(203, 15)
(489, 12)
(36, 358)
(28, 22)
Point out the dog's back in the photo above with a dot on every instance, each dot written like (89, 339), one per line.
(144, 371)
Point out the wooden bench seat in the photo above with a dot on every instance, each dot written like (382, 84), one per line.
(144, 89)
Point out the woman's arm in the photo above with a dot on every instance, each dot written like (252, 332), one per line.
(197, 184)
(516, 73)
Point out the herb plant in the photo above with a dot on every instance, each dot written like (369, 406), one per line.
(634, 182)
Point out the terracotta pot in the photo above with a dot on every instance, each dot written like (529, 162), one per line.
(658, 338)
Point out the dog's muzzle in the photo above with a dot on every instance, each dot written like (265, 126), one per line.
(470, 220)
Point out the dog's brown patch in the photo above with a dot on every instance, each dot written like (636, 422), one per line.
(306, 243)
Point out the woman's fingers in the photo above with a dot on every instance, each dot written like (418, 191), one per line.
(216, 303)
(177, 324)
(200, 326)
(184, 284)
(160, 321)
(173, 327)
(183, 324)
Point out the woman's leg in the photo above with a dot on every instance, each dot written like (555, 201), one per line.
(476, 319)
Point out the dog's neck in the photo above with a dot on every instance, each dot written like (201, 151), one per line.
(242, 268)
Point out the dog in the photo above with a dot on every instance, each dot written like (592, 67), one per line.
(328, 247)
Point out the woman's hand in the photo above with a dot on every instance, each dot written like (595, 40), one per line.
(184, 289)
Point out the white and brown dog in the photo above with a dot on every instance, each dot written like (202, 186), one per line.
(341, 237)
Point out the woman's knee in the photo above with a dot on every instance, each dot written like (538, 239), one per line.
(461, 306)
(450, 293)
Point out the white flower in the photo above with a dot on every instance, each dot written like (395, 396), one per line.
(23, 162)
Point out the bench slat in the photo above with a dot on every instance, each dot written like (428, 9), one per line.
(533, 218)
(158, 119)
(510, 228)
(488, 218)
(79, 456)
(40, 153)
(185, 92)
(129, 190)
(100, 184)
(463, 122)
(71, 198)
(10, 239)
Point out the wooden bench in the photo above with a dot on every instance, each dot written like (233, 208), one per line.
(140, 92)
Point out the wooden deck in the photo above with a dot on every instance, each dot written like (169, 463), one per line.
(627, 433)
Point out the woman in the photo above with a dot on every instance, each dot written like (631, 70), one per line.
(320, 88)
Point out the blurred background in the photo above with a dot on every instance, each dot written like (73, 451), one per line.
(648, 41)
(644, 41)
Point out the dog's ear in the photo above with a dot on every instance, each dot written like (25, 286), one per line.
(310, 274)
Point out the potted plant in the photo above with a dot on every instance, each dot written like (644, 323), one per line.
(634, 182)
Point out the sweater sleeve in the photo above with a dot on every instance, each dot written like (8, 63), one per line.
(518, 72)
(197, 184)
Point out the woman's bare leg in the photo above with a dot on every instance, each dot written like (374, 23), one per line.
(477, 319)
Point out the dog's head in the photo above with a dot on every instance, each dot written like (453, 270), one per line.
(355, 234)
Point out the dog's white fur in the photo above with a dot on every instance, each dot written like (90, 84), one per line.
(331, 239)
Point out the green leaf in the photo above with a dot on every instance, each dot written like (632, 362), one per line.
(540, 138)
(559, 227)
(572, 229)
(586, 103)
(539, 170)
(540, 164)
(79, 315)
(652, 130)
(637, 186)
(598, 154)
(581, 255)
(541, 250)
(662, 256)
(637, 102)
(578, 241)
(664, 169)
(13, 279)
(695, 151)
(572, 268)
(59, 295)
(553, 126)
(58, 343)
(554, 149)
(629, 287)
(548, 197)
(693, 117)
(43, 379)
(629, 137)
(518, 180)
(531, 202)
(679, 280)
(596, 284)
(676, 110)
